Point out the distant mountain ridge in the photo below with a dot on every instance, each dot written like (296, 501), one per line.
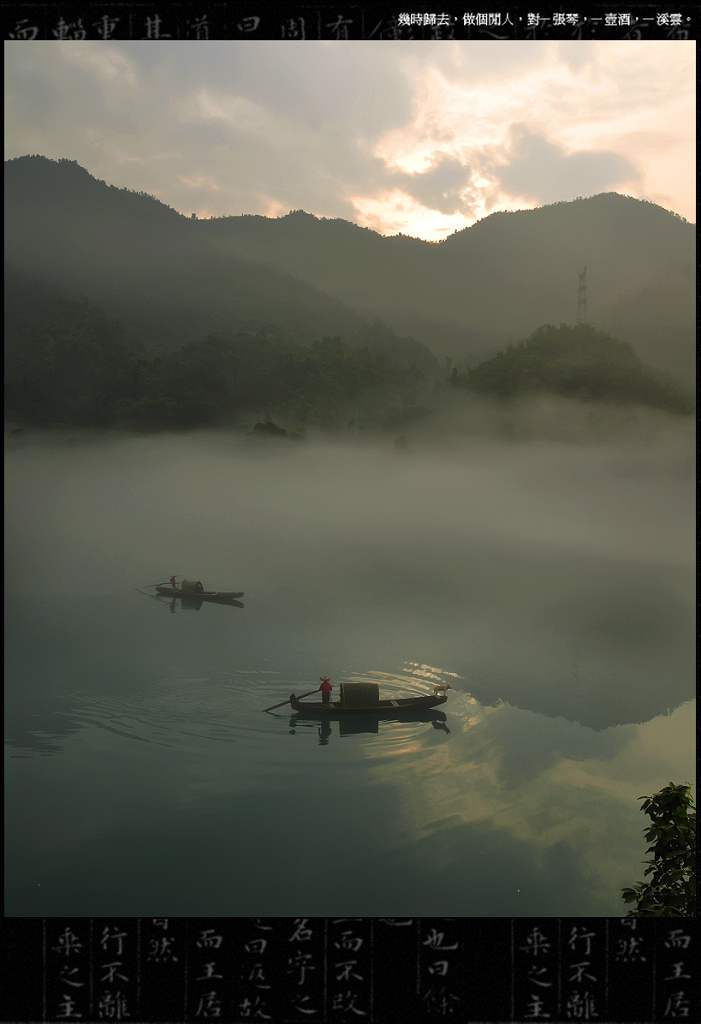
(495, 282)
(146, 263)
(466, 297)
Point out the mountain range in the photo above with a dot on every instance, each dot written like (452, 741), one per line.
(172, 279)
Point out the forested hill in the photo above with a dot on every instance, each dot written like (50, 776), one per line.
(67, 363)
(171, 279)
(156, 270)
(574, 362)
(147, 264)
(493, 283)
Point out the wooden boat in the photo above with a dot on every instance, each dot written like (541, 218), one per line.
(364, 699)
(194, 589)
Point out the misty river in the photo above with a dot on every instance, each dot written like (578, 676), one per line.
(551, 585)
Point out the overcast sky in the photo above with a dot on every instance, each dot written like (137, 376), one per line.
(418, 137)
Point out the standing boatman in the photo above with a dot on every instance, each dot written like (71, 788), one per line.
(325, 688)
(172, 582)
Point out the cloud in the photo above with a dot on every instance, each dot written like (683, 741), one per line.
(440, 188)
(422, 137)
(536, 169)
(110, 67)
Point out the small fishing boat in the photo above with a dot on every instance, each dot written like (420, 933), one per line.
(194, 589)
(364, 698)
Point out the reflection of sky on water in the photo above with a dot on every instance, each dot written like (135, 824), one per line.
(555, 593)
(544, 786)
(500, 809)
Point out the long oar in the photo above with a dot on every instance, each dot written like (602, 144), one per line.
(288, 701)
(156, 597)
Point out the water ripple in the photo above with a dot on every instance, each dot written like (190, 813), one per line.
(223, 708)
(228, 708)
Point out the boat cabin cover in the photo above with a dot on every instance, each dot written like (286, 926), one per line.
(191, 587)
(360, 695)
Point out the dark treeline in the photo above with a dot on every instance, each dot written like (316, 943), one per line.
(229, 377)
(65, 360)
(67, 363)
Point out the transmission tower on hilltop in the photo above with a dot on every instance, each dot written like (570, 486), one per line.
(582, 298)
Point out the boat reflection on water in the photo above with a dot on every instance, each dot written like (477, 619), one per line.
(190, 589)
(193, 604)
(352, 725)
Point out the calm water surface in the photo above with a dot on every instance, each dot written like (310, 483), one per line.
(551, 585)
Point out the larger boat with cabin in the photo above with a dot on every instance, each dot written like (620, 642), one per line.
(364, 698)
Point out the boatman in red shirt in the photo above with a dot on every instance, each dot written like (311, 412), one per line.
(325, 688)
(172, 582)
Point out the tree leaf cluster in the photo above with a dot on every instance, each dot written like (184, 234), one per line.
(671, 891)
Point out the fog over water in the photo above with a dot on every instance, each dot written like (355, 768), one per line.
(551, 583)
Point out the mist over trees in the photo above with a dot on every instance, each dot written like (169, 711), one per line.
(119, 310)
(493, 283)
(66, 362)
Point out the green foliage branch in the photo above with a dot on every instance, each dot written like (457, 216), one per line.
(671, 892)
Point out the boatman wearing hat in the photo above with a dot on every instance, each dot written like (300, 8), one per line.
(325, 688)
